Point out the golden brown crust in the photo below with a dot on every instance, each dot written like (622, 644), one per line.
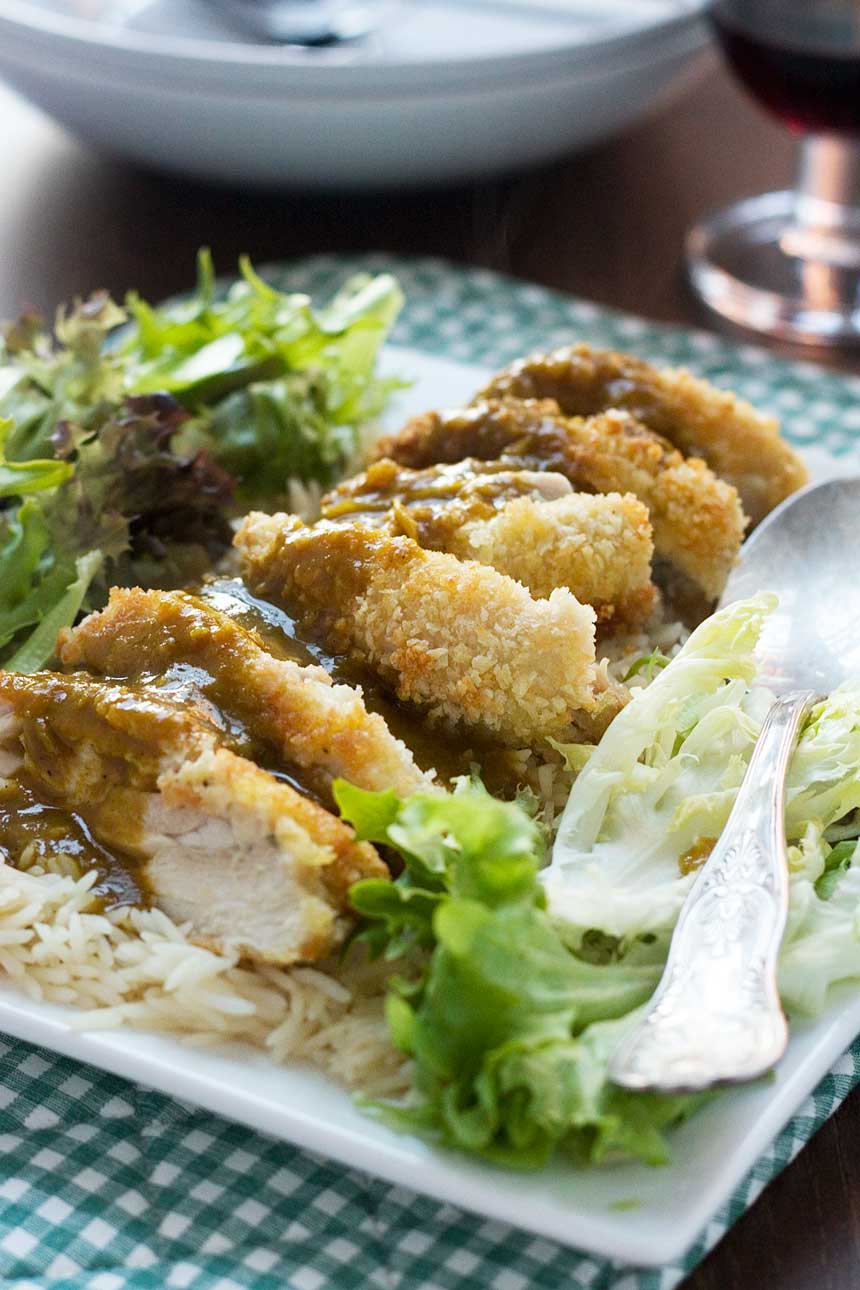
(462, 640)
(529, 524)
(697, 518)
(322, 728)
(597, 545)
(740, 445)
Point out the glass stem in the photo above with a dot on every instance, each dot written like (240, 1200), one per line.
(829, 173)
(823, 237)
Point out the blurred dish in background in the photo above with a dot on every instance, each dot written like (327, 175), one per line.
(437, 92)
(305, 22)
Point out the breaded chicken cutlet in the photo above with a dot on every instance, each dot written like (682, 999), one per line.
(696, 518)
(462, 640)
(256, 869)
(740, 445)
(297, 712)
(528, 524)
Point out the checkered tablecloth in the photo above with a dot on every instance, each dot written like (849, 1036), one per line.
(107, 1186)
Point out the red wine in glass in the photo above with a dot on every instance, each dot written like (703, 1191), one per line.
(800, 58)
(787, 263)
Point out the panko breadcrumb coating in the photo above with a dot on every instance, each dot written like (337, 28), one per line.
(697, 520)
(253, 867)
(599, 546)
(528, 524)
(740, 445)
(308, 721)
(465, 642)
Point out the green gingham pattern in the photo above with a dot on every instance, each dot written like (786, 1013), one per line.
(108, 1186)
(476, 316)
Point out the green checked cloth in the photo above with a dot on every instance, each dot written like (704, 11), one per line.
(107, 1186)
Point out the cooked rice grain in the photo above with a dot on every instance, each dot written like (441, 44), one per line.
(135, 967)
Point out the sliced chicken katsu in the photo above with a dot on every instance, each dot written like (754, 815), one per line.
(740, 445)
(696, 518)
(463, 640)
(132, 781)
(528, 524)
(298, 716)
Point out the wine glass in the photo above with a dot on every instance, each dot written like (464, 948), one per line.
(788, 263)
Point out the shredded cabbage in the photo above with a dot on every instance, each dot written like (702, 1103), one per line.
(661, 785)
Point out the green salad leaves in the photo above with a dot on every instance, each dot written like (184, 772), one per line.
(276, 390)
(124, 453)
(510, 1031)
(519, 979)
(42, 587)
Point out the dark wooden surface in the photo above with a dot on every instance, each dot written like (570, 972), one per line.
(607, 225)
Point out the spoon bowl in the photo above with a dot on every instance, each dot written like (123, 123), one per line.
(806, 552)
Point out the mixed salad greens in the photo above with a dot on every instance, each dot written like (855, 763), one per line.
(123, 453)
(519, 981)
(510, 1031)
(127, 440)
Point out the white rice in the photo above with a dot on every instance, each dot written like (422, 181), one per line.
(136, 967)
(621, 652)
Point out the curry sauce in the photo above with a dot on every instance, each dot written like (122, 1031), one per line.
(432, 505)
(35, 832)
(92, 748)
(693, 859)
(434, 749)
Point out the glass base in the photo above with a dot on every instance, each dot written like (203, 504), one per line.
(783, 264)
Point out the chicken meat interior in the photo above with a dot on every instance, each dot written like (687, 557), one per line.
(467, 605)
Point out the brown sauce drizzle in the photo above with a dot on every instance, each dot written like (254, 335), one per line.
(693, 859)
(433, 749)
(431, 505)
(34, 831)
(103, 831)
(101, 834)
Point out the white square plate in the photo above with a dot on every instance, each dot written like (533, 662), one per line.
(626, 1212)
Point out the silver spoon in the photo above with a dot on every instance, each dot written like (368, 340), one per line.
(716, 1017)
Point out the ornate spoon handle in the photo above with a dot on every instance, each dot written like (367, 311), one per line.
(715, 1017)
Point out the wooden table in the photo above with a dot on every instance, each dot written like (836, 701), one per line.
(607, 225)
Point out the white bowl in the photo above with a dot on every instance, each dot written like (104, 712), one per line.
(393, 112)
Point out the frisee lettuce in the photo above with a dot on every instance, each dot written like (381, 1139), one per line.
(121, 457)
(39, 588)
(277, 390)
(71, 376)
(125, 507)
(509, 1030)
